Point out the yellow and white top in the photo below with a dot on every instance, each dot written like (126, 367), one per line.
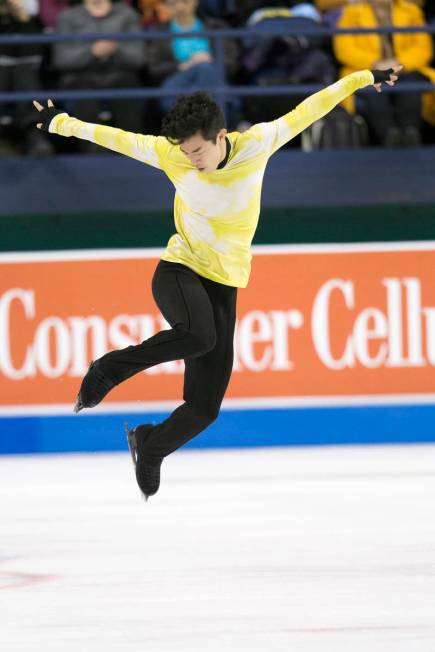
(216, 214)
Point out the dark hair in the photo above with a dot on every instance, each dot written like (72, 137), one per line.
(190, 114)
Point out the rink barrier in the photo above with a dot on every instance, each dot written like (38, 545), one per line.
(316, 426)
(223, 90)
(301, 200)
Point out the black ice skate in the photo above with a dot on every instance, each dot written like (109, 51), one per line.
(95, 385)
(147, 466)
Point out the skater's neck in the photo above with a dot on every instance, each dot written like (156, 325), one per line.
(226, 154)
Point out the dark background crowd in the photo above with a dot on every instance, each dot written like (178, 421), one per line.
(184, 64)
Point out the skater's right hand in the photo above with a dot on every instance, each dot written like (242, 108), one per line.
(389, 76)
(46, 115)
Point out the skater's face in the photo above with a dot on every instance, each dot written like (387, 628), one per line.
(203, 154)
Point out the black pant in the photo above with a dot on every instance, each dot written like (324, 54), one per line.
(202, 314)
(21, 77)
(382, 110)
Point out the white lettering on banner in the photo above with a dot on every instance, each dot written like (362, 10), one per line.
(429, 313)
(400, 335)
(268, 328)
(80, 327)
(394, 317)
(281, 321)
(255, 328)
(65, 346)
(62, 347)
(415, 327)
(372, 325)
(26, 299)
(320, 320)
(363, 334)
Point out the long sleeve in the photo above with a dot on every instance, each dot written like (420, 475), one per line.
(153, 150)
(275, 134)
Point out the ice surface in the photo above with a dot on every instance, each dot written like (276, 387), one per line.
(271, 550)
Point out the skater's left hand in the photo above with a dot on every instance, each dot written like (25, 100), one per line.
(389, 76)
(47, 114)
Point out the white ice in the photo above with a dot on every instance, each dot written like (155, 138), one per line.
(271, 550)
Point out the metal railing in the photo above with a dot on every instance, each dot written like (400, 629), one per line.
(223, 90)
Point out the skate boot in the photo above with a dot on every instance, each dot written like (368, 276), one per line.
(147, 466)
(95, 385)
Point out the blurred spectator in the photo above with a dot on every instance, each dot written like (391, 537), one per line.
(428, 7)
(19, 71)
(327, 5)
(287, 59)
(331, 9)
(183, 64)
(152, 12)
(31, 7)
(245, 8)
(216, 8)
(330, 5)
(395, 119)
(49, 11)
(290, 57)
(103, 63)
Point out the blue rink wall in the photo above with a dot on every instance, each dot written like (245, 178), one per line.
(233, 428)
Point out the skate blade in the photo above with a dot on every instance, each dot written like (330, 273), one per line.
(132, 443)
(79, 405)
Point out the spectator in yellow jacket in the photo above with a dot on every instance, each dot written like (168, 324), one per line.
(395, 120)
(332, 5)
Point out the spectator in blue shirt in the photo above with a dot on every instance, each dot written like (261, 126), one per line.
(186, 63)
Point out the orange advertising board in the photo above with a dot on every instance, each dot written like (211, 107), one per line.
(322, 322)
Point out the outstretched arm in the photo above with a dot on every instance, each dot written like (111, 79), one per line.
(280, 131)
(147, 149)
